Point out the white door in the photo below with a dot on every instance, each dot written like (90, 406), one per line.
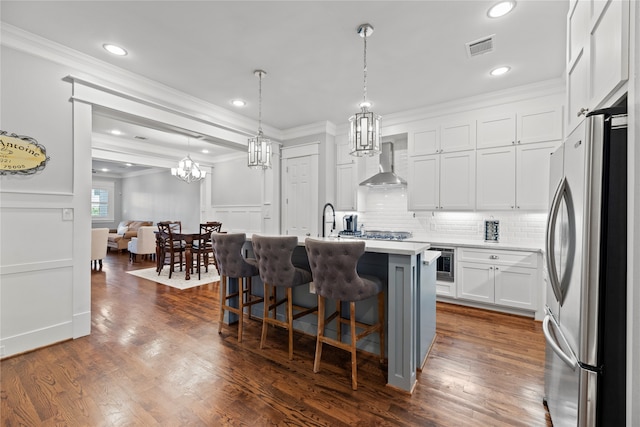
(300, 191)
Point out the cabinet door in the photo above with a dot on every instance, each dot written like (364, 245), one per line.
(457, 180)
(458, 136)
(496, 131)
(346, 187)
(476, 282)
(532, 175)
(609, 49)
(343, 155)
(516, 286)
(425, 141)
(539, 125)
(423, 183)
(577, 90)
(495, 182)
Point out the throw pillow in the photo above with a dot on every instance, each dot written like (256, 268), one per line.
(122, 229)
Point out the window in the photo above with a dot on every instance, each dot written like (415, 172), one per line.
(102, 200)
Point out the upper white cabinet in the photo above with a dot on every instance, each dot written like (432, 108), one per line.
(343, 150)
(442, 181)
(346, 187)
(458, 136)
(443, 138)
(514, 177)
(523, 127)
(597, 55)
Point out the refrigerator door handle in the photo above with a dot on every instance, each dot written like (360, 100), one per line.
(557, 284)
(570, 359)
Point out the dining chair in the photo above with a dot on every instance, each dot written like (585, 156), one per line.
(170, 249)
(203, 247)
(276, 269)
(335, 276)
(232, 264)
(143, 244)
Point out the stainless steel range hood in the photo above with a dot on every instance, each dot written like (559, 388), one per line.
(386, 177)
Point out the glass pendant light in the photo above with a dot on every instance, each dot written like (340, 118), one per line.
(188, 170)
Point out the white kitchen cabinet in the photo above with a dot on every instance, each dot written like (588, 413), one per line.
(514, 177)
(346, 187)
(458, 136)
(532, 125)
(442, 181)
(597, 55)
(423, 183)
(498, 277)
(424, 141)
(343, 152)
(458, 180)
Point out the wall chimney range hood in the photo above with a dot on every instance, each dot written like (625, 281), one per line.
(386, 177)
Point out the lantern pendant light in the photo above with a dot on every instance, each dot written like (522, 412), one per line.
(364, 127)
(259, 147)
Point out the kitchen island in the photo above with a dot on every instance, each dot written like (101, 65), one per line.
(409, 270)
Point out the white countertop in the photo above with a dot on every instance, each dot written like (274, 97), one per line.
(469, 243)
(404, 247)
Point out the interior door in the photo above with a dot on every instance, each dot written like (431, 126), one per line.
(300, 201)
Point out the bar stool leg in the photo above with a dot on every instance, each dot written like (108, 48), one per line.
(265, 315)
(290, 320)
(381, 320)
(223, 298)
(240, 306)
(354, 364)
(320, 335)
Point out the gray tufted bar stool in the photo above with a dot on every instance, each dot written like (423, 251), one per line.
(335, 276)
(227, 249)
(273, 254)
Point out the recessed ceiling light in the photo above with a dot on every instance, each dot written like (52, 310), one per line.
(113, 49)
(128, 165)
(104, 170)
(501, 9)
(500, 71)
(205, 151)
(238, 103)
(116, 132)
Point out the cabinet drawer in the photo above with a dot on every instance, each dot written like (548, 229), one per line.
(499, 256)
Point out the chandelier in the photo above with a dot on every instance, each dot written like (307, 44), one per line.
(364, 127)
(259, 147)
(188, 170)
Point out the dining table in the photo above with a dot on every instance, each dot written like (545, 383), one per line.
(188, 238)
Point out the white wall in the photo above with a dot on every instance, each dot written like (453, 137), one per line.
(44, 260)
(159, 196)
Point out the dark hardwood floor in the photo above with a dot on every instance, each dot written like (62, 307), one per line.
(154, 357)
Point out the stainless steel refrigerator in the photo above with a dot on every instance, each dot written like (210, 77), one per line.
(585, 321)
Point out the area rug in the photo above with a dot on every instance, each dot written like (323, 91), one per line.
(177, 278)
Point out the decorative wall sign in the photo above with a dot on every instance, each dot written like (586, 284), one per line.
(21, 154)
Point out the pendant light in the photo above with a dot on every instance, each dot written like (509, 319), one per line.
(259, 147)
(188, 170)
(364, 127)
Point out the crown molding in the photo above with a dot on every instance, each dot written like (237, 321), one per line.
(101, 73)
(325, 127)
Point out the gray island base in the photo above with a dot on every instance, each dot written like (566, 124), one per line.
(409, 269)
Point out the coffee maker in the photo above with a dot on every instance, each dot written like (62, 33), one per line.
(350, 223)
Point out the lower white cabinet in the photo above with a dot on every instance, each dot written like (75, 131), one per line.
(499, 277)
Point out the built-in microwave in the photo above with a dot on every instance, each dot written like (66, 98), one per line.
(445, 268)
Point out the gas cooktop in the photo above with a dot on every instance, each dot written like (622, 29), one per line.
(377, 234)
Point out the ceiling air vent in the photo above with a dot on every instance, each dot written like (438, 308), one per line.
(480, 46)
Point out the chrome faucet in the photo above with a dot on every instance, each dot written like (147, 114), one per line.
(324, 209)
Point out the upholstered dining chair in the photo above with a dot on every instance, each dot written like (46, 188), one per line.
(334, 268)
(99, 237)
(273, 254)
(170, 248)
(143, 244)
(232, 264)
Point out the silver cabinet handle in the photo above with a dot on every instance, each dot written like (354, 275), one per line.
(583, 111)
(490, 268)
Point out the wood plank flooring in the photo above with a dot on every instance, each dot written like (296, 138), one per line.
(154, 357)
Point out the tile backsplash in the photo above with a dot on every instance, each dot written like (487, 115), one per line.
(386, 209)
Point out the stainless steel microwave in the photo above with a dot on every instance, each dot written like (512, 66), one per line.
(445, 269)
